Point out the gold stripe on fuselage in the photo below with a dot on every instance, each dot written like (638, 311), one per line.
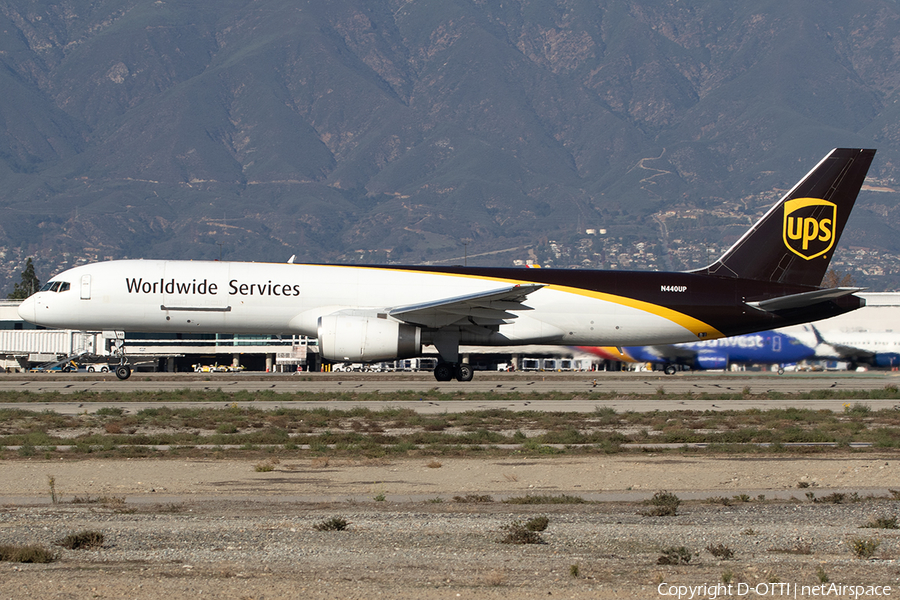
(696, 326)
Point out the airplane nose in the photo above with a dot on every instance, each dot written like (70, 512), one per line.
(27, 310)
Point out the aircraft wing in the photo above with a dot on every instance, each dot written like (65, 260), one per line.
(483, 309)
(850, 352)
(804, 299)
(832, 350)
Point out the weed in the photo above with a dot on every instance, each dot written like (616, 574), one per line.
(435, 500)
(742, 497)
(265, 466)
(721, 551)
(719, 500)
(379, 497)
(663, 504)
(864, 547)
(727, 576)
(517, 533)
(106, 500)
(749, 531)
(884, 522)
(109, 411)
(226, 428)
(895, 494)
(51, 481)
(546, 499)
(434, 464)
(821, 575)
(574, 571)
(332, 524)
(674, 556)
(27, 554)
(834, 498)
(537, 524)
(83, 540)
(473, 498)
(857, 408)
(802, 484)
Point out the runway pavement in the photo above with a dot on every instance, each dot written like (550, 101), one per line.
(343, 391)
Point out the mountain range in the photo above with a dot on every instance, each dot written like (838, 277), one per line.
(451, 130)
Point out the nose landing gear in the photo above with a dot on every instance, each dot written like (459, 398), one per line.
(123, 370)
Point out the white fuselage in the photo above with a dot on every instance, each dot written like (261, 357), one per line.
(270, 298)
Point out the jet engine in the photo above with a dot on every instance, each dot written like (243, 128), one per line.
(365, 338)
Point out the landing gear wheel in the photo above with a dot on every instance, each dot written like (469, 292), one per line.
(123, 372)
(670, 369)
(780, 370)
(444, 371)
(464, 372)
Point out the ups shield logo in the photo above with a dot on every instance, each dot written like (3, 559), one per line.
(809, 226)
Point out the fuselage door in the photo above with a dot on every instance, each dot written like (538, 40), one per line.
(776, 343)
(85, 287)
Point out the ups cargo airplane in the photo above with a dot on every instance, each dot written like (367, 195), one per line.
(769, 278)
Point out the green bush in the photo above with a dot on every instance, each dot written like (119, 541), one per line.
(674, 556)
(27, 554)
(83, 540)
(537, 524)
(884, 522)
(333, 524)
(663, 504)
(864, 547)
(517, 533)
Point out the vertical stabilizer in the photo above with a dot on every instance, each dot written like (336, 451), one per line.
(795, 240)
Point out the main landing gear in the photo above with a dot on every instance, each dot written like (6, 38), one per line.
(445, 371)
(450, 366)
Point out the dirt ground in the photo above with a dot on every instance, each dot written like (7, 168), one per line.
(222, 529)
(612, 477)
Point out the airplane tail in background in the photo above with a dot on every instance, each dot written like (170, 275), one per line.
(795, 240)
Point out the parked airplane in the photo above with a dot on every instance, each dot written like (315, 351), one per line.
(876, 349)
(765, 347)
(768, 278)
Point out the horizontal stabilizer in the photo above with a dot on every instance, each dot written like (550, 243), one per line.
(804, 299)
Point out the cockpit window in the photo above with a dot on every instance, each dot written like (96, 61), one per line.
(56, 286)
